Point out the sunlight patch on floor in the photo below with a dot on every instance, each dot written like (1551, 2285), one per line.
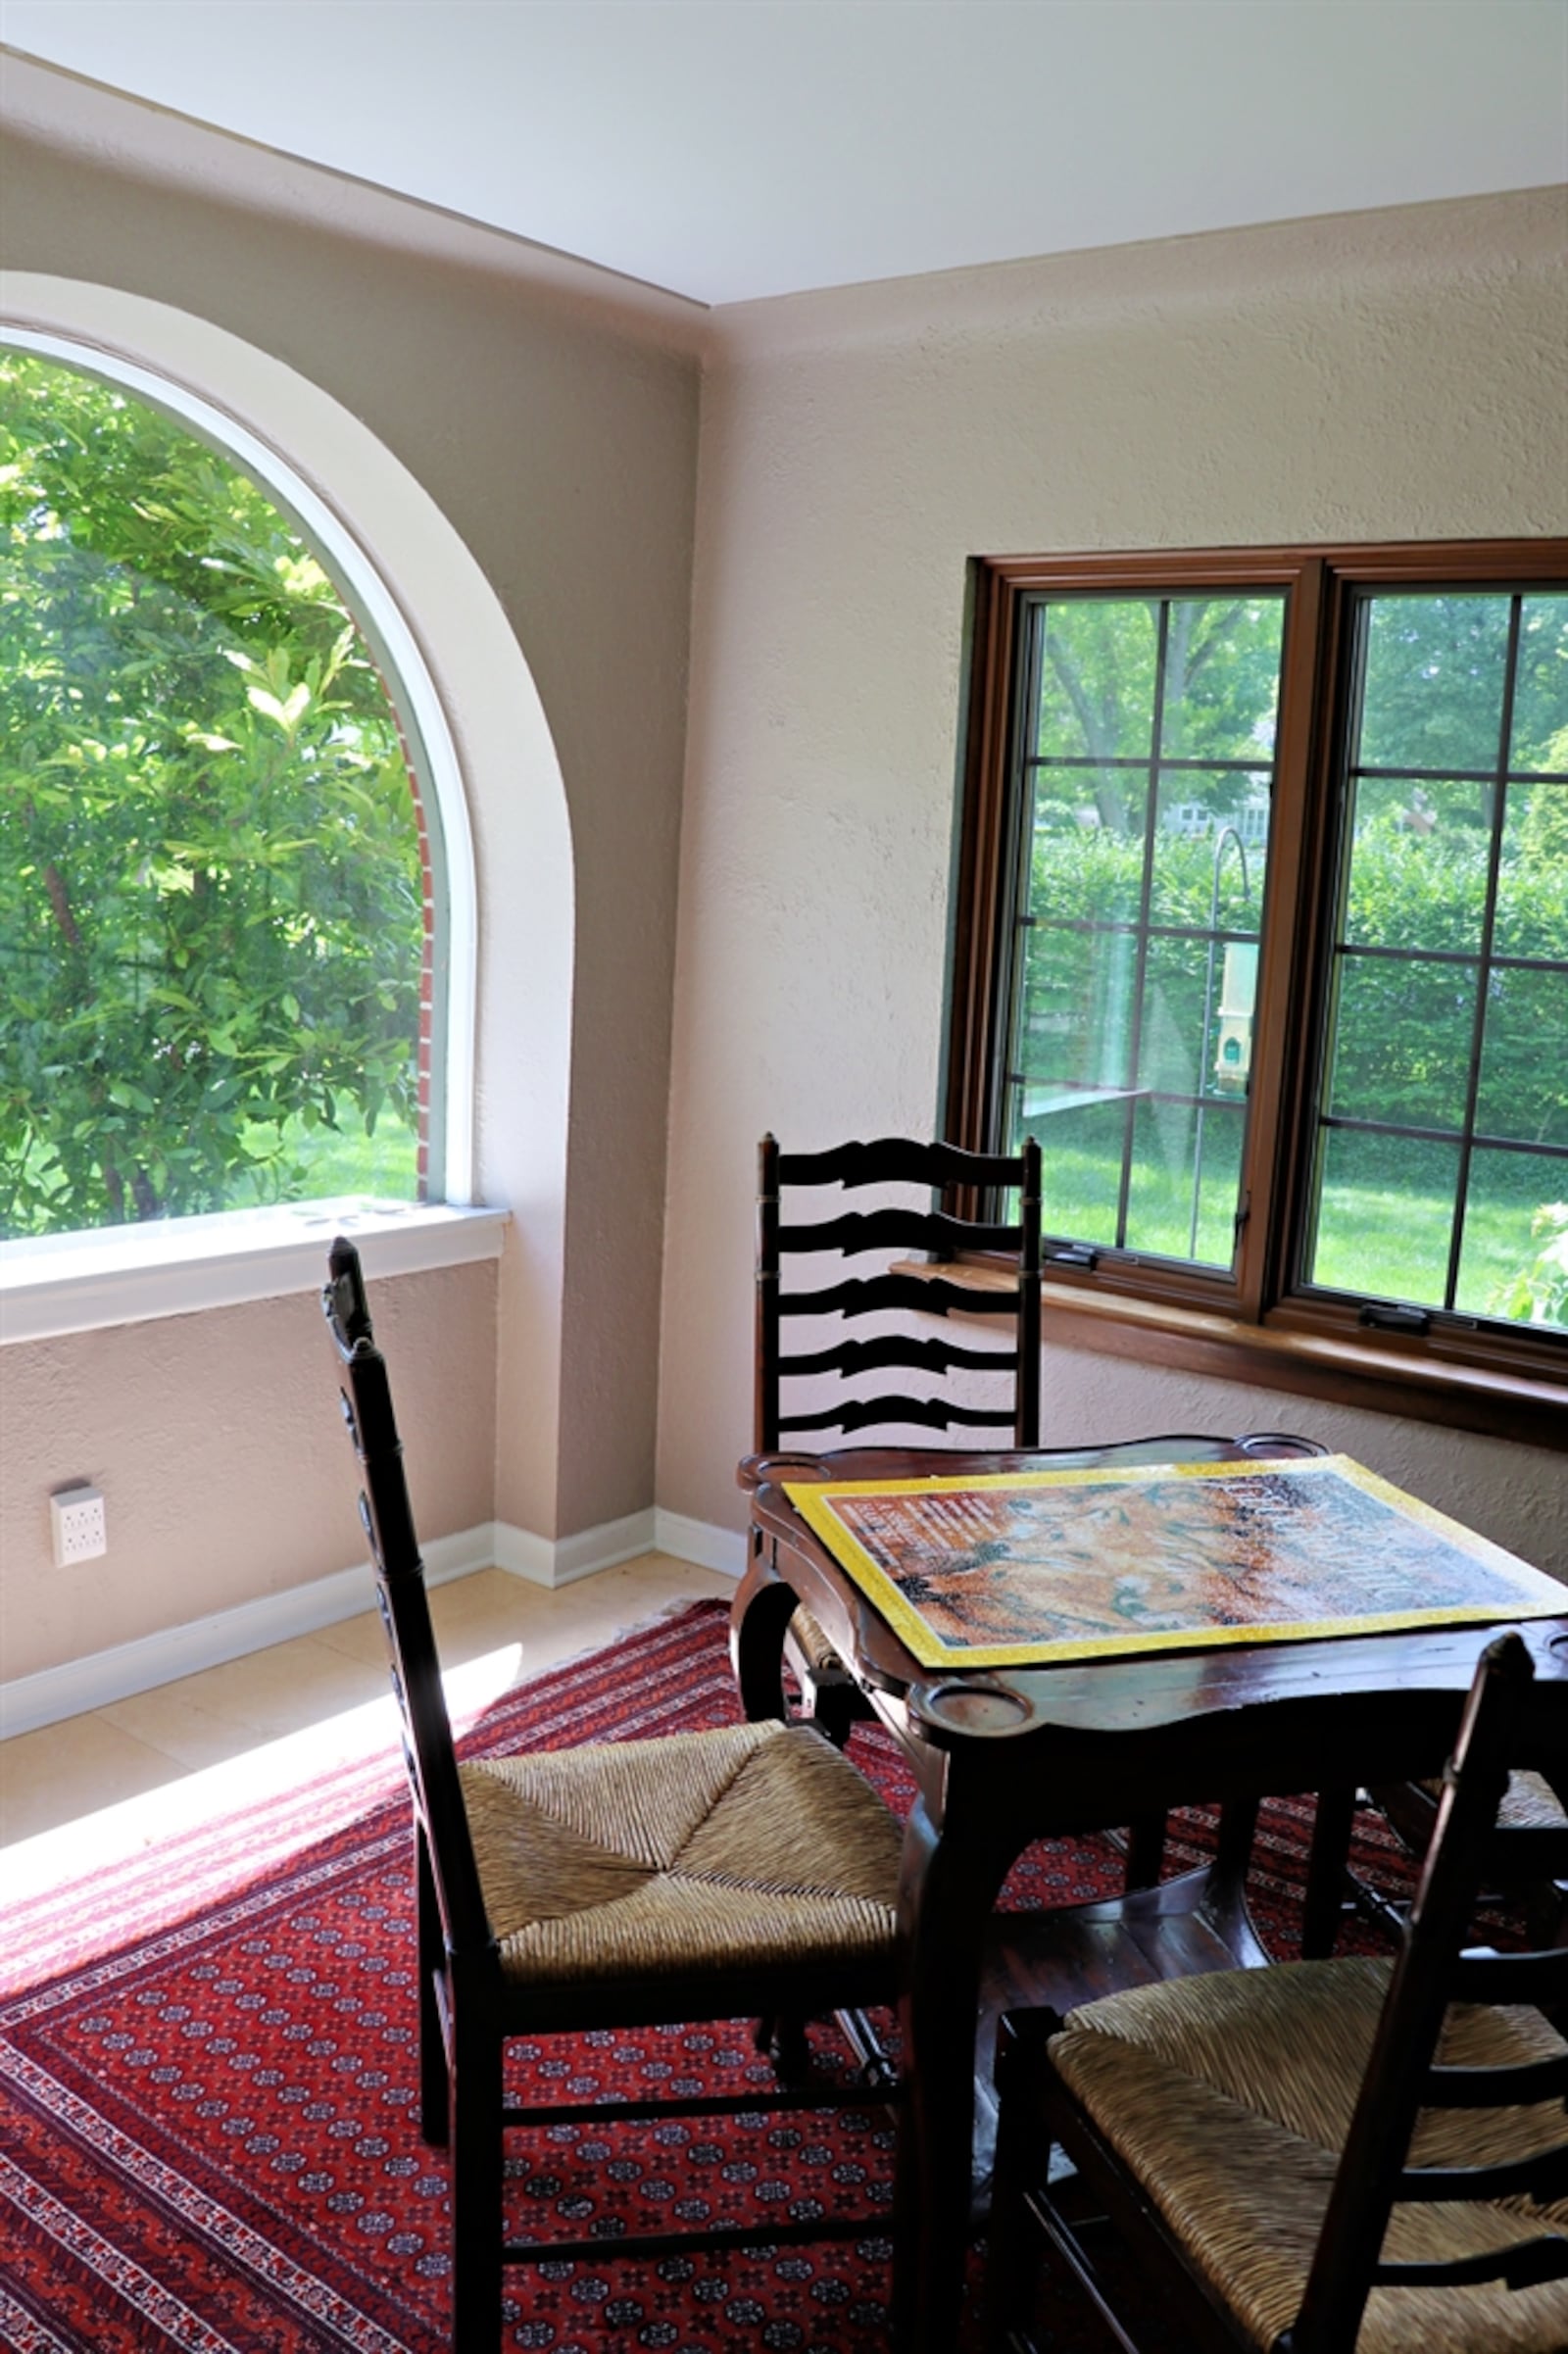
(108, 1835)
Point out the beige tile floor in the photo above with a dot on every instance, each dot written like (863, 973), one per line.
(164, 1759)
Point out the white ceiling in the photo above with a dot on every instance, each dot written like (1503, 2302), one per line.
(725, 149)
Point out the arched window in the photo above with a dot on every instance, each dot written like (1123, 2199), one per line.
(224, 902)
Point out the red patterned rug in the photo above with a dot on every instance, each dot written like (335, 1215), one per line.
(208, 2139)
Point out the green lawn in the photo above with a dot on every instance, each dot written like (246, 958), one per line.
(303, 1164)
(1393, 1244)
(1380, 1240)
(328, 1161)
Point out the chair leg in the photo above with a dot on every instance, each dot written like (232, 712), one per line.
(783, 2038)
(477, 2194)
(436, 2098)
(1323, 1901)
(1146, 1852)
(1232, 1839)
(835, 1711)
(1022, 2155)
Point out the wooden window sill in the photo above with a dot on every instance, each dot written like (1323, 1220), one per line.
(1339, 1367)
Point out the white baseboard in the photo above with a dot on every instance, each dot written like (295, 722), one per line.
(101, 1678)
(562, 1560)
(559, 1561)
(700, 1541)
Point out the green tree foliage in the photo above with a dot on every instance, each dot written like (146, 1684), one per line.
(210, 888)
(1102, 694)
(1407, 1028)
(1539, 1293)
(1436, 667)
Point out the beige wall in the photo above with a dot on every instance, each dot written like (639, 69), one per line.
(1393, 375)
(1397, 374)
(551, 413)
(225, 1467)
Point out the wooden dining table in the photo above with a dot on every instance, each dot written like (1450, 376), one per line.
(1004, 1756)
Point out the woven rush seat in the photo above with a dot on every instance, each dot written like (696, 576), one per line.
(675, 1856)
(1230, 2097)
(1529, 1803)
(819, 1653)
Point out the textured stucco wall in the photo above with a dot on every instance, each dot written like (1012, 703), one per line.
(224, 1466)
(550, 412)
(1387, 375)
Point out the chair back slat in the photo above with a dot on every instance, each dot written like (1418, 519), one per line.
(1544, 2174)
(929, 1295)
(1511, 1720)
(1523, 2264)
(1527, 1856)
(899, 1229)
(1495, 2088)
(944, 1232)
(903, 1350)
(924, 1413)
(1539, 1979)
(387, 1517)
(899, 1160)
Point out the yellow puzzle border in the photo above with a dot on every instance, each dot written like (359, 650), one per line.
(815, 1502)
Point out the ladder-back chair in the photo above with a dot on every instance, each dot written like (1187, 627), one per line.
(818, 1341)
(745, 1872)
(820, 1313)
(1531, 1826)
(1325, 2155)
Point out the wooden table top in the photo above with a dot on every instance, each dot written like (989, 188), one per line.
(1367, 1686)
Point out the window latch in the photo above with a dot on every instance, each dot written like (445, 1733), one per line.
(1395, 1319)
(1075, 1254)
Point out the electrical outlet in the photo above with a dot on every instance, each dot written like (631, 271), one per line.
(81, 1533)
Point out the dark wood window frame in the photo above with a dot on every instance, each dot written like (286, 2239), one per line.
(1262, 1326)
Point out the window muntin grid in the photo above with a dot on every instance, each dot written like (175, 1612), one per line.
(1444, 1069)
(1144, 788)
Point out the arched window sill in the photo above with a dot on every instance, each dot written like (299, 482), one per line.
(69, 1283)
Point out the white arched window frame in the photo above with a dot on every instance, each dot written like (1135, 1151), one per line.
(428, 740)
(479, 715)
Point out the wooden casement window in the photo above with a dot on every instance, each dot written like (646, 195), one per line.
(1261, 928)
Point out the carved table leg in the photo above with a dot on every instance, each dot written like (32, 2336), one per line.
(762, 1608)
(947, 1891)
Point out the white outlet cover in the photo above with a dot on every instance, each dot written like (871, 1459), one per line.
(77, 1523)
